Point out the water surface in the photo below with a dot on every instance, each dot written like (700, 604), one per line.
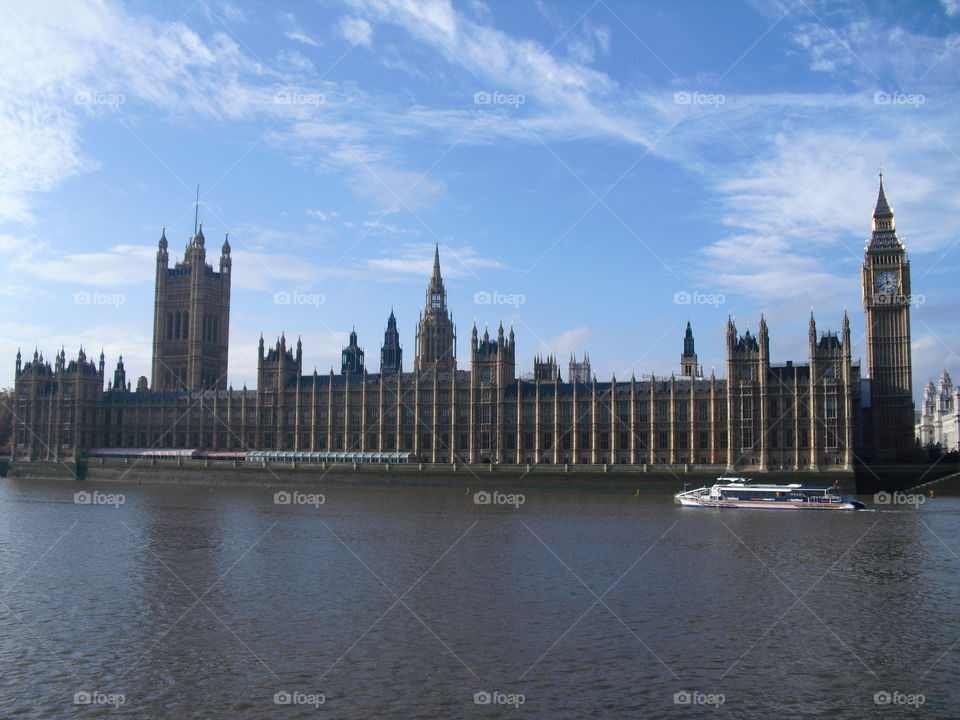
(207, 602)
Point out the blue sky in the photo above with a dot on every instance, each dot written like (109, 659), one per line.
(583, 166)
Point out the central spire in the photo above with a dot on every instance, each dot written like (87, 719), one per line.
(196, 211)
(436, 265)
(883, 224)
(436, 294)
(436, 336)
(883, 208)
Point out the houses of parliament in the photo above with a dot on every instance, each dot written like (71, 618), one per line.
(813, 415)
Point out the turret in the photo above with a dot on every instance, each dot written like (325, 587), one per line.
(120, 376)
(689, 365)
(845, 337)
(391, 354)
(351, 359)
(764, 339)
(225, 261)
(162, 256)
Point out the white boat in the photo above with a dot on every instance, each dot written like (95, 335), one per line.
(738, 492)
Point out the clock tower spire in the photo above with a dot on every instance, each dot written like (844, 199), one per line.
(886, 303)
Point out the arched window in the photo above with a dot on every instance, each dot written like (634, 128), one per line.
(176, 332)
(169, 326)
(186, 324)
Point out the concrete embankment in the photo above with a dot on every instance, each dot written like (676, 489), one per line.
(593, 478)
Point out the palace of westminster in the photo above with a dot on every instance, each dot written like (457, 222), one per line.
(818, 414)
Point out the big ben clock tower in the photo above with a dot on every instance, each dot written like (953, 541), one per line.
(886, 302)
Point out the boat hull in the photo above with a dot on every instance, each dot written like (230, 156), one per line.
(845, 504)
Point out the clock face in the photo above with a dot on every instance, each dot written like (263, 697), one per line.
(887, 282)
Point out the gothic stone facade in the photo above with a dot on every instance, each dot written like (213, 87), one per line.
(938, 422)
(762, 416)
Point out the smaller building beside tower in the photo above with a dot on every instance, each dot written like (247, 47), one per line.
(938, 424)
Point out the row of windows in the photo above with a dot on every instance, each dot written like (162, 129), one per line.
(178, 326)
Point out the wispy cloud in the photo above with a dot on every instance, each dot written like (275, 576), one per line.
(416, 259)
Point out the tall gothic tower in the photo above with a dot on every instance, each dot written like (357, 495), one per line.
(436, 335)
(689, 365)
(391, 354)
(886, 302)
(191, 318)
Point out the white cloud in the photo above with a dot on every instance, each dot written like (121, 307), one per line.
(575, 97)
(392, 189)
(117, 266)
(295, 59)
(378, 227)
(417, 259)
(82, 60)
(571, 341)
(356, 31)
(293, 31)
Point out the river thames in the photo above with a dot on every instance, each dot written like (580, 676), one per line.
(187, 601)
